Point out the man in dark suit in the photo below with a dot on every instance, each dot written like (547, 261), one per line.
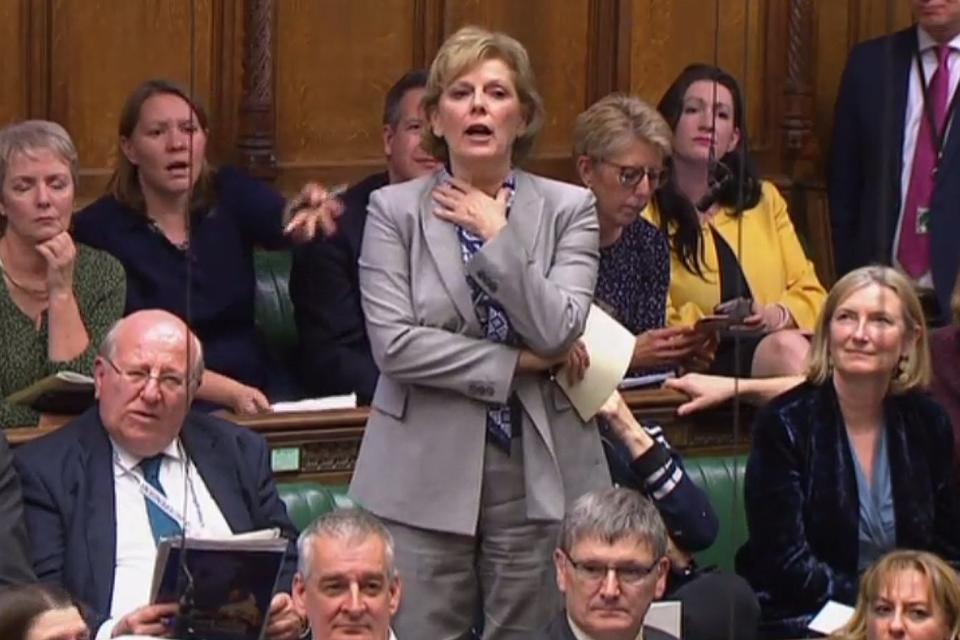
(335, 352)
(611, 564)
(99, 492)
(14, 565)
(894, 177)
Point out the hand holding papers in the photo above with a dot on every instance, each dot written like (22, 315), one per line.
(233, 581)
(610, 347)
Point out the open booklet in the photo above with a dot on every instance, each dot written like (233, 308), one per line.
(65, 392)
(233, 581)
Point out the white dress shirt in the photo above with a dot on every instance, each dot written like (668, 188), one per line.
(580, 634)
(136, 551)
(914, 113)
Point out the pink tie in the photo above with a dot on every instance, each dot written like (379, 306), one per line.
(913, 252)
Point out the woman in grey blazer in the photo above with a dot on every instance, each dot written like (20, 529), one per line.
(476, 283)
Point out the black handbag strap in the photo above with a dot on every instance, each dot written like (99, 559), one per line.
(733, 283)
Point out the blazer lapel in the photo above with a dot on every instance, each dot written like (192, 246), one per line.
(96, 462)
(220, 474)
(444, 247)
(526, 212)
(836, 480)
(901, 62)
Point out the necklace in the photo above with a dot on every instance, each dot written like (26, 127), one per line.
(33, 291)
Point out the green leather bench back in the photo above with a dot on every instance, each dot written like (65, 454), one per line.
(306, 501)
(273, 309)
(721, 477)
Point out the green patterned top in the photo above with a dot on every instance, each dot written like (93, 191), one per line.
(99, 284)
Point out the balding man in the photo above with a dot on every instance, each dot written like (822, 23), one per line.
(90, 489)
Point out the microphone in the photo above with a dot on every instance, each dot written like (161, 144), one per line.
(720, 176)
(184, 627)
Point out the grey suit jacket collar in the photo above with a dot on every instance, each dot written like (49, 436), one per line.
(444, 245)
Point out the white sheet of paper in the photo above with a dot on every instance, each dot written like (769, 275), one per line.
(317, 404)
(610, 346)
(664, 616)
(833, 616)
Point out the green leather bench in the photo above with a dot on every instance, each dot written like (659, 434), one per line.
(307, 501)
(721, 477)
(272, 306)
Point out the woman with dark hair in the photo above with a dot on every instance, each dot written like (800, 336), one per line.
(40, 612)
(731, 238)
(185, 232)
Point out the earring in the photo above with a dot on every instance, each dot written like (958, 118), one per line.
(902, 365)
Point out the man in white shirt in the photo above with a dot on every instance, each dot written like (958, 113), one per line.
(894, 174)
(101, 491)
(611, 562)
(346, 583)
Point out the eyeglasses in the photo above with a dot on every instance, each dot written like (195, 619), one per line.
(630, 176)
(169, 382)
(627, 574)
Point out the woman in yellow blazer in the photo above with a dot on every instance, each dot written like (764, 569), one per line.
(719, 254)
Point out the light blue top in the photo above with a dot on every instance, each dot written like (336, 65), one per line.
(878, 533)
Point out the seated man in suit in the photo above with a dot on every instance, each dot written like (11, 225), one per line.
(346, 583)
(611, 564)
(100, 491)
(324, 287)
(14, 565)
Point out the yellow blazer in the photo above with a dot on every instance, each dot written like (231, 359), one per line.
(771, 257)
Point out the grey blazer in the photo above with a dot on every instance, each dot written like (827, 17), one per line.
(421, 460)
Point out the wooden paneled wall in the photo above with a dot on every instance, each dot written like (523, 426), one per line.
(295, 87)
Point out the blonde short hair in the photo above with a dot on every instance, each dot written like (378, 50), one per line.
(613, 122)
(915, 371)
(944, 590)
(34, 135)
(464, 50)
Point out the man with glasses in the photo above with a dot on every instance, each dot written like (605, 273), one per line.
(611, 564)
(100, 492)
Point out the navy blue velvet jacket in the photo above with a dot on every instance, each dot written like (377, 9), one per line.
(802, 504)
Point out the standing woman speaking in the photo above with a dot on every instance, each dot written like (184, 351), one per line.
(476, 282)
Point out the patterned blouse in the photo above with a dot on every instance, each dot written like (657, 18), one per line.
(634, 276)
(99, 285)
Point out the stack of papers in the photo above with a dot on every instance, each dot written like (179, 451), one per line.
(317, 404)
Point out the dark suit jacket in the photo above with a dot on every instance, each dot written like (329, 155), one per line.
(325, 289)
(14, 565)
(69, 499)
(866, 162)
(945, 386)
(802, 504)
(559, 629)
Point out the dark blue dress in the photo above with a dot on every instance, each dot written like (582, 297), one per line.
(218, 305)
(633, 278)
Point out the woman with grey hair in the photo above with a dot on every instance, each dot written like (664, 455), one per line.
(58, 298)
(621, 144)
